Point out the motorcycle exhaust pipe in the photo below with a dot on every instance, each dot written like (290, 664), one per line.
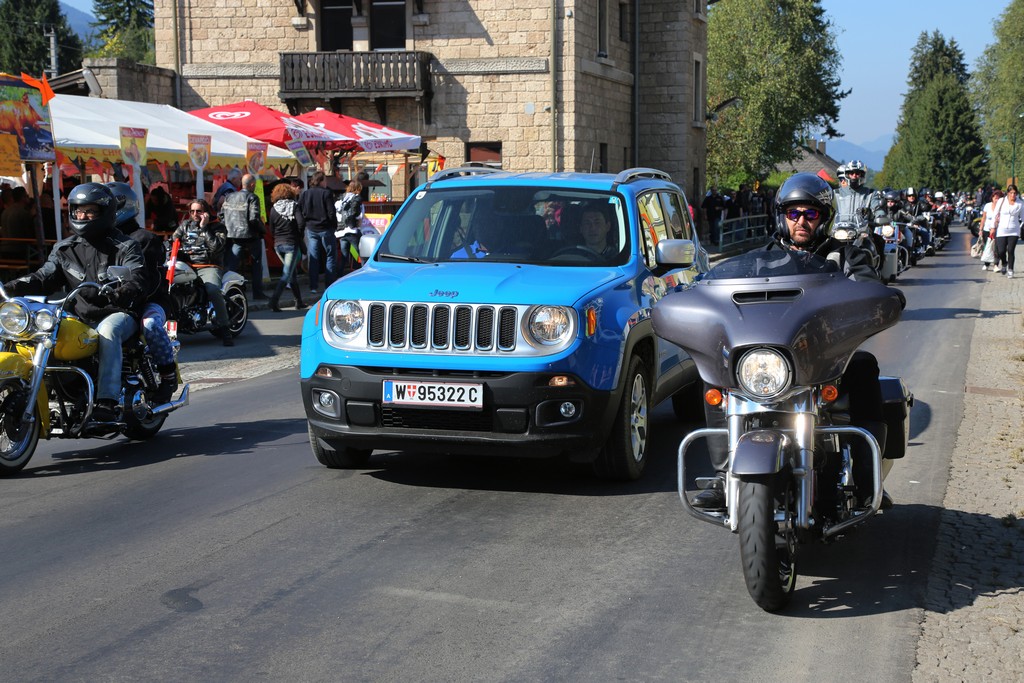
(173, 405)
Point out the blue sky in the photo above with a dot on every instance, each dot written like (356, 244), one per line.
(875, 38)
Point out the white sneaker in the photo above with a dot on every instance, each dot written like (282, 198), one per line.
(1009, 274)
(984, 266)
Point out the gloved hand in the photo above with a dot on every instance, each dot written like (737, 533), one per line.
(15, 287)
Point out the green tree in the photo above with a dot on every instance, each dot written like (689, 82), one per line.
(938, 140)
(998, 93)
(779, 57)
(23, 43)
(126, 30)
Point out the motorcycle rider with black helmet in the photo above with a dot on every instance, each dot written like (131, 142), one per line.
(804, 211)
(154, 315)
(85, 256)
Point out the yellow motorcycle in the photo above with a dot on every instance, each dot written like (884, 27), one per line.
(48, 362)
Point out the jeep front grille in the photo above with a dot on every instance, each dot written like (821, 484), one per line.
(443, 327)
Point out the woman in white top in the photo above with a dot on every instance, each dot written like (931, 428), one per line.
(1008, 220)
(988, 229)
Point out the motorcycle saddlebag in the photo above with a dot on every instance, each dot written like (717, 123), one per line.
(896, 403)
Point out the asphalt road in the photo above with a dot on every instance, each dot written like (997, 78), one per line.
(222, 551)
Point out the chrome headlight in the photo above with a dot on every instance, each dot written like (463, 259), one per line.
(764, 373)
(346, 318)
(45, 320)
(888, 231)
(550, 325)
(14, 318)
(844, 234)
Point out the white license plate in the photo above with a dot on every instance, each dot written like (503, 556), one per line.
(433, 394)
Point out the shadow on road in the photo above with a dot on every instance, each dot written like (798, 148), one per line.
(92, 455)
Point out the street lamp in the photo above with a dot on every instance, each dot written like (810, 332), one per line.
(1018, 114)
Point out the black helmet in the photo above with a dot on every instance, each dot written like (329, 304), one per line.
(92, 193)
(892, 196)
(810, 190)
(127, 202)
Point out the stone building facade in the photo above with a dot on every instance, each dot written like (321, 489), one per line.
(531, 85)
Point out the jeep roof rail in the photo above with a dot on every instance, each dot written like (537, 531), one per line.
(472, 168)
(631, 174)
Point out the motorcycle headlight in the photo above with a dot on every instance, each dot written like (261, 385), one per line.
(844, 234)
(764, 373)
(45, 320)
(14, 318)
(346, 318)
(888, 231)
(550, 325)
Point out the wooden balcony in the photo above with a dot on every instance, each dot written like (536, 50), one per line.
(347, 75)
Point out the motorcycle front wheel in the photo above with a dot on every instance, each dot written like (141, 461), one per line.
(17, 440)
(768, 553)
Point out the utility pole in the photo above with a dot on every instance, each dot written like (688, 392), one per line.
(50, 31)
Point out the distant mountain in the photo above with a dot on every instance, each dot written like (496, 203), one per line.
(79, 21)
(871, 153)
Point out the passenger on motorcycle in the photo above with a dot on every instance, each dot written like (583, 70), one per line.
(804, 211)
(202, 239)
(154, 315)
(84, 257)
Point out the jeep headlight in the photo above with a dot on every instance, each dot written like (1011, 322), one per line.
(763, 373)
(14, 318)
(346, 318)
(550, 325)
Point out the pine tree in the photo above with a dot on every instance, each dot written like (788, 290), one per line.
(23, 45)
(120, 15)
(938, 140)
(126, 30)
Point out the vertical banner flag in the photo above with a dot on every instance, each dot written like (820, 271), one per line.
(199, 156)
(133, 152)
(255, 157)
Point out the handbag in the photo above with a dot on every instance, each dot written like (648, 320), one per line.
(989, 254)
(977, 247)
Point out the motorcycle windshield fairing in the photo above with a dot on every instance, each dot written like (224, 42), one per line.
(793, 301)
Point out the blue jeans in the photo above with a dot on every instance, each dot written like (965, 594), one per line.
(290, 257)
(322, 246)
(114, 331)
(213, 282)
(233, 255)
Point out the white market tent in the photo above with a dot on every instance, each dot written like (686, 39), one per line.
(89, 127)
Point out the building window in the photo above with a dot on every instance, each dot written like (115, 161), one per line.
(602, 28)
(336, 25)
(698, 6)
(624, 22)
(387, 24)
(488, 153)
(698, 91)
(602, 152)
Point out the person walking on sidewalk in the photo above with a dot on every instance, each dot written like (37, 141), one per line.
(245, 232)
(317, 217)
(287, 243)
(988, 230)
(1007, 226)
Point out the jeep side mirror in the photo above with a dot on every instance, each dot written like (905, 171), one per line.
(672, 254)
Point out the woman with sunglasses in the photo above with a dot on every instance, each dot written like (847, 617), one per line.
(203, 239)
(1007, 229)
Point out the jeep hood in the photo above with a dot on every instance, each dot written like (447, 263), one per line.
(473, 283)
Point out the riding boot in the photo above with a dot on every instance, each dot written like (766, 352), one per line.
(274, 299)
(168, 383)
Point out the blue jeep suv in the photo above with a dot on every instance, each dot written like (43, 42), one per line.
(506, 314)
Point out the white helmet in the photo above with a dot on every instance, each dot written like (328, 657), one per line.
(859, 169)
(939, 195)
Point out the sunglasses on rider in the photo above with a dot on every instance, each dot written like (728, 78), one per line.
(809, 214)
(195, 211)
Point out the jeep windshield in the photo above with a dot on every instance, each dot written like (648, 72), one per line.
(510, 224)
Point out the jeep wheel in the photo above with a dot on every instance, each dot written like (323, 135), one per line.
(624, 456)
(340, 458)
